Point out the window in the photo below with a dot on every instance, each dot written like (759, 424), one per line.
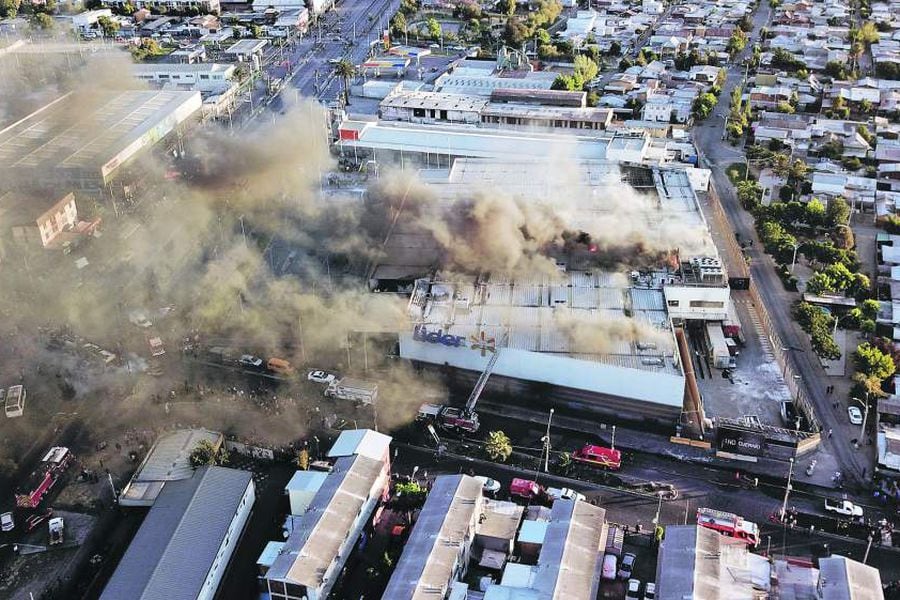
(707, 304)
(204, 77)
(418, 112)
(443, 115)
(673, 303)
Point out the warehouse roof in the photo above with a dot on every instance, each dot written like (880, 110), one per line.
(315, 542)
(696, 562)
(167, 460)
(179, 540)
(841, 578)
(442, 528)
(360, 441)
(434, 101)
(72, 133)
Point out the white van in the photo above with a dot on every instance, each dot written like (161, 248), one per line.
(610, 564)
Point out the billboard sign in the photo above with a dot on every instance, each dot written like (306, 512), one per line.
(738, 441)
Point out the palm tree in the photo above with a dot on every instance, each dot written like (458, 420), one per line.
(345, 70)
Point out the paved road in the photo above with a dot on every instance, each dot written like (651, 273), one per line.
(718, 154)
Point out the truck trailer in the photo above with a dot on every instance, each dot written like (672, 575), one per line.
(352, 389)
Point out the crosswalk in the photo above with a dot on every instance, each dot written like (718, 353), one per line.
(764, 343)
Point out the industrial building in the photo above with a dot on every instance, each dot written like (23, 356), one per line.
(168, 460)
(87, 142)
(184, 545)
(438, 550)
(569, 560)
(699, 563)
(564, 329)
(311, 559)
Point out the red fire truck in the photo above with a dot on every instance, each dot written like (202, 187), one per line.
(44, 477)
(599, 456)
(729, 524)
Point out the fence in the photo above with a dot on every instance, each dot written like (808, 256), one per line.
(737, 265)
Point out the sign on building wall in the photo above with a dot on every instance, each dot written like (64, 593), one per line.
(738, 441)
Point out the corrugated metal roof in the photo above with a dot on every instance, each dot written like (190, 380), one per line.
(178, 542)
(444, 525)
(364, 442)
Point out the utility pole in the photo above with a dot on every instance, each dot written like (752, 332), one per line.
(868, 547)
(658, 507)
(787, 490)
(613, 442)
(547, 444)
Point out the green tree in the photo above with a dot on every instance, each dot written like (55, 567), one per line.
(704, 105)
(585, 68)
(737, 42)
(109, 26)
(399, 25)
(868, 33)
(871, 361)
(509, 7)
(344, 70)
(835, 69)
(498, 446)
(409, 7)
(515, 32)
(566, 83)
(434, 28)
(41, 21)
(206, 453)
(615, 48)
(837, 213)
(9, 8)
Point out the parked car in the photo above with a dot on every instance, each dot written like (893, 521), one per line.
(609, 567)
(156, 346)
(525, 488)
(7, 523)
(488, 485)
(564, 494)
(139, 319)
(320, 376)
(633, 591)
(650, 591)
(248, 360)
(627, 566)
(855, 415)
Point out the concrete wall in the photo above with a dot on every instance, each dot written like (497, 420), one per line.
(706, 303)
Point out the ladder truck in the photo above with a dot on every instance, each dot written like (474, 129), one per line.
(463, 420)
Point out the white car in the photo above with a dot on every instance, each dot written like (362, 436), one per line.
(248, 360)
(633, 591)
(855, 415)
(488, 485)
(320, 376)
(650, 591)
(6, 522)
(565, 494)
(138, 319)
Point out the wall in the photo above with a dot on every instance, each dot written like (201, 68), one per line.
(679, 300)
(238, 522)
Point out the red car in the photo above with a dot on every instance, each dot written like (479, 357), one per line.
(599, 456)
(525, 488)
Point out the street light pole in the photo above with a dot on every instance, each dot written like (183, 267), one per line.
(613, 441)
(787, 489)
(794, 260)
(658, 507)
(547, 444)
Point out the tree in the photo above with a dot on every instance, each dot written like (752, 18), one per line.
(205, 453)
(344, 69)
(498, 446)
(737, 42)
(868, 33)
(434, 28)
(746, 24)
(818, 325)
(585, 68)
(835, 69)
(398, 24)
(566, 83)
(837, 213)
(785, 107)
(42, 21)
(509, 7)
(515, 32)
(615, 48)
(872, 362)
(9, 8)
(108, 25)
(843, 237)
(409, 7)
(704, 105)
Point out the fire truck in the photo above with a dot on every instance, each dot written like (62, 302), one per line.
(463, 420)
(599, 456)
(729, 524)
(44, 477)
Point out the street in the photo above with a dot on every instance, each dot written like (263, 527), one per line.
(716, 155)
